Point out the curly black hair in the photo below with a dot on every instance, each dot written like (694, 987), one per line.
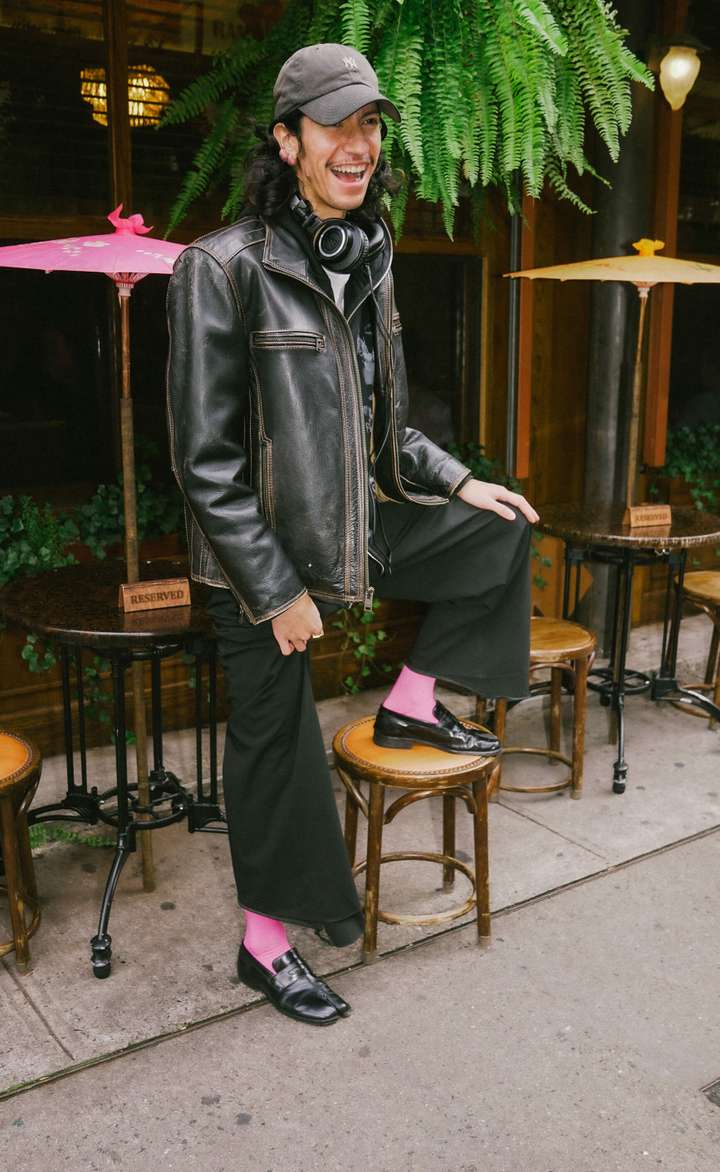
(269, 182)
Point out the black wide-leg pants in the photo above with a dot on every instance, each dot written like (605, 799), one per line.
(286, 843)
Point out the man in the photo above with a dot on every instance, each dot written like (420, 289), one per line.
(306, 492)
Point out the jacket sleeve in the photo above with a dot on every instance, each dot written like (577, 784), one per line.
(425, 465)
(208, 400)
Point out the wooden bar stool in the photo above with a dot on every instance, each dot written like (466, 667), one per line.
(702, 589)
(424, 772)
(565, 648)
(20, 765)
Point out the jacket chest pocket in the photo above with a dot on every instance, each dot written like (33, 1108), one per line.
(287, 340)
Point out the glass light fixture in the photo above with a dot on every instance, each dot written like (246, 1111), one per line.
(678, 70)
(148, 94)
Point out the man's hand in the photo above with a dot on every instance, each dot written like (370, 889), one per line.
(296, 625)
(496, 498)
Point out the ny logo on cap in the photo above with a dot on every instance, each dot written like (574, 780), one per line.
(350, 63)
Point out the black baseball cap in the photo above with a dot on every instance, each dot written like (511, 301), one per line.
(328, 82)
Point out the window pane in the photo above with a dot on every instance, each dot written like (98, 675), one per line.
(53, 156)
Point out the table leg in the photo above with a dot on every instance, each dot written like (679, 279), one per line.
(80, 685)
(141, 764)
(67, 717)
(665, 685)
(101, 943)
(199, 687)
(212, 722)
(620, 641)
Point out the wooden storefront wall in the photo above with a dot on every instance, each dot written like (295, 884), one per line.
(554, 328)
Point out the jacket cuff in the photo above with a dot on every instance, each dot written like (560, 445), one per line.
(273, 614)
(463, 479)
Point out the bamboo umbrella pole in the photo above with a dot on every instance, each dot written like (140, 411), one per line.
(633, 455)
(127, 441)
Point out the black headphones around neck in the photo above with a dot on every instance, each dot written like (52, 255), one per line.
(340, 245)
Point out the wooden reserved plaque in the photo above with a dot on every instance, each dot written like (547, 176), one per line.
(154, 595)
(638, 516)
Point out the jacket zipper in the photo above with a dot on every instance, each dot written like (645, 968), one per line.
(390, 377)
(367, 590)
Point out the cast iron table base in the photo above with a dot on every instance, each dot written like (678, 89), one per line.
(600, 535)
(77, 609)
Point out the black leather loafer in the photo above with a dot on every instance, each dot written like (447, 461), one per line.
(337, 1002)
(395, 731)
(292, 989)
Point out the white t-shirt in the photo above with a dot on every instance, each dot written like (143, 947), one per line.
(338, 282)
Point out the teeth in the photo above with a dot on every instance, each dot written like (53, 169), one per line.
(349, 170)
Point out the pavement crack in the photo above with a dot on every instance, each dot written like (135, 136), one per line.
(39, 1013)
(551, 830)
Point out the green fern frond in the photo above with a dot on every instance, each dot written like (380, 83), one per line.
(557, 177)
(399, 66)
(489, 91)
(538, 16)
(206, 164)
(356, 24)
(228, 71)
(323, 24)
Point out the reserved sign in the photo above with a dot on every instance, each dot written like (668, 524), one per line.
(154, 595)
(638, 516)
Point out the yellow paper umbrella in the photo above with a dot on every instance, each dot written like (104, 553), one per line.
(644, 270)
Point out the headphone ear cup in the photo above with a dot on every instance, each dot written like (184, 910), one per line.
(339, 245)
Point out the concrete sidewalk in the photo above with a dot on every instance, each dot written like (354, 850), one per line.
(579, 1041)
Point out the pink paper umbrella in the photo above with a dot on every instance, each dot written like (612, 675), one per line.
(126, 256)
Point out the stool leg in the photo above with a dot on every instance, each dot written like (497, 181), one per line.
(480, 709)
(495, 782)
(12, 876)
(482, 863)
(712, 654)
(27, 870)
(555, 708)
(372, 873)
(448, 840)
(351, 823)
(579, 714)
(713, 666)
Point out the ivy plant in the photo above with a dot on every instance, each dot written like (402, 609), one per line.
(354, 624)
(490, 91)
(693, 453)
(32, 538)
(100, 521)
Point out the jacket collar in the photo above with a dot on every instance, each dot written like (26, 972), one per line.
(287, 250)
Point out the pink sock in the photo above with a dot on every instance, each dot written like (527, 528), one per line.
(413, 695)
(265, 939)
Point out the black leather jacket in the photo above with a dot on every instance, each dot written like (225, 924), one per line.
(265, 419)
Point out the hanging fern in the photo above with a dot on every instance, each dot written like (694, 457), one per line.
(489, 90)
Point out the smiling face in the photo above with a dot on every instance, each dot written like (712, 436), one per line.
(334, 164)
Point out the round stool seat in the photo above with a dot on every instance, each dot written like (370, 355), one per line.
(704, 585)
(20, 764)
(18, 761)
(425, 772)
(558, 639)
(415, 768)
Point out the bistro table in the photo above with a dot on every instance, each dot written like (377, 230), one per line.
(76, 609)
(598, 533)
